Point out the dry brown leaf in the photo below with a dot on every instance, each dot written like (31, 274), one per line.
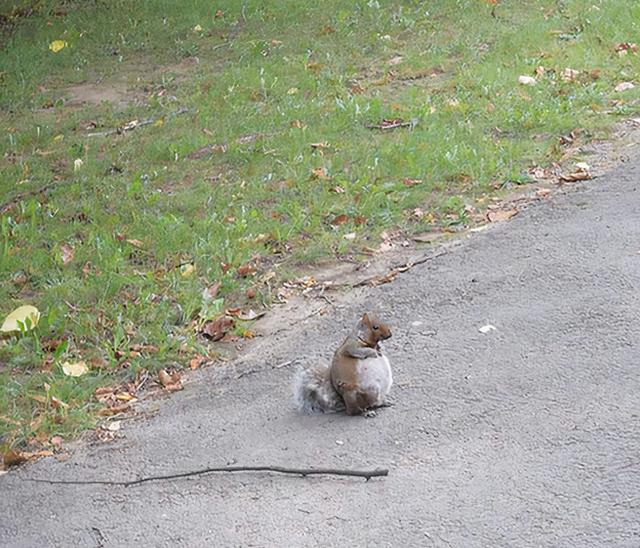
(170, 381)
(57, 441)
(211, 292)
(218, 328)
(114, 410)
(411, 182)
(136, 243)
(320, 173)
(542, 192)
(245, 270)
(250, 293)
(67, 253)
(500, 215)
(58, 404)
(339, 219)
(296, 124)
(359, 220)
(152, 349)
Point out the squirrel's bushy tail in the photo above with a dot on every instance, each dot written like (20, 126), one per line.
(313, 391)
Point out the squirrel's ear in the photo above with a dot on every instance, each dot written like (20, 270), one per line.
(365, 319)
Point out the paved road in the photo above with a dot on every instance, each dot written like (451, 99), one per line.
(526, 436)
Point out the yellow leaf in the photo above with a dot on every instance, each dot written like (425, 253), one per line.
(26, 316)
(187, 270)
(75, 369)
(57, 45)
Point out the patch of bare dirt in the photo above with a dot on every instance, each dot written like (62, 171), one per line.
(96, 94)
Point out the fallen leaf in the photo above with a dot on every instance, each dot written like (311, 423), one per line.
(487, 328)
(67, 253)
(197, 28)
(125, 396)
(319, 173)
(113, 426)
(75, 369)
(320, 146)
(245, 270)
(186, 270)
(313, 66)
(582, 173)
(359, 220)
(250, 315)
(527, 80)
(296, 124)
(337, 190)
(136, 243)
(114, 410)
(58, 404)
(25, 317)
(250, 293)
(624, 86)
(57, 441)
(12, 457)
(350, 236)
(625, 47)
(218, 328)
(339, 220)
(57, 45)
(540, 71)
(542, 192)
(210, 293)
(196, 362)
(500, 215)
(569, 74)
(170, 382)
(411, 182)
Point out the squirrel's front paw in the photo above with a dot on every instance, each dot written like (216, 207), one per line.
(369, 414)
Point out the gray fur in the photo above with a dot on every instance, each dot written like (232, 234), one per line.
(313, 391)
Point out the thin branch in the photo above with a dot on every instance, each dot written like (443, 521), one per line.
(304, 472)
(392, 125)
(398, 269)
(131, 125)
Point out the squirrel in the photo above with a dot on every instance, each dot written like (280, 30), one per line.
(358, 379)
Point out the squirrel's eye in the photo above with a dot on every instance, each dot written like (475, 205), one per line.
(375, 328)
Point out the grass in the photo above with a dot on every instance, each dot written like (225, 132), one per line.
(150, 227)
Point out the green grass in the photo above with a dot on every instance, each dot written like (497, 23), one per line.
(271, 78)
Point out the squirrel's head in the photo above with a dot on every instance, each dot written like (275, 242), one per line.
(374, 330)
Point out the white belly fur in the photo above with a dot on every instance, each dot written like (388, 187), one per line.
(375, 373)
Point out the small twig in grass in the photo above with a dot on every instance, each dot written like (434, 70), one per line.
(131, 126)
(398, 269)
(393, 125)
(304, 472)
(16, 199)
